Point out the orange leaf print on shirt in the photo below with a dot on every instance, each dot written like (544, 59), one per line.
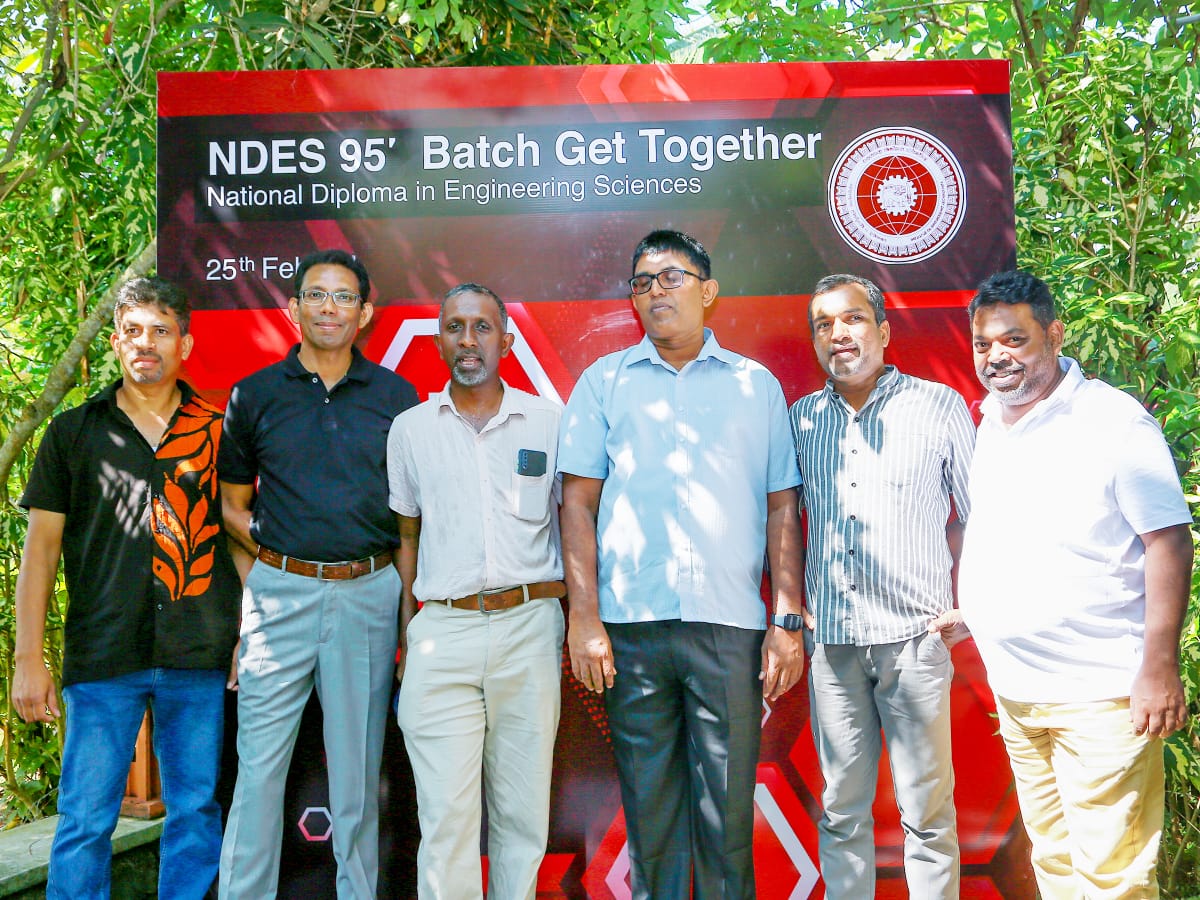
(182, 446)
(186, 517)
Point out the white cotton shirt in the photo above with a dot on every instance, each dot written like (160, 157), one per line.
(1052, 578)
(483, 525)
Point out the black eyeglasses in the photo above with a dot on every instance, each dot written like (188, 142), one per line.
(668, 279)
(341, 298)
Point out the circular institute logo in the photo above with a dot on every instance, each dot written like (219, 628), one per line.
(897, 195)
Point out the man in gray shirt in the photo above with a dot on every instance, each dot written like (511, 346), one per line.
(881, 454)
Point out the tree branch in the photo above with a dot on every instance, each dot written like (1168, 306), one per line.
(1082, 8)
(39, 91)
(62, 377)
(1031, 56)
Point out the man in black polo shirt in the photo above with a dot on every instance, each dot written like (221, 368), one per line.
(124, 488)
(320, 606)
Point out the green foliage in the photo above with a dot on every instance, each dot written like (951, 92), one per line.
(77, 180)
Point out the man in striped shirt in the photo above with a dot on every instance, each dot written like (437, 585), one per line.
(881, 454)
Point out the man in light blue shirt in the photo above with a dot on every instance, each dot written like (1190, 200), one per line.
(678, 475)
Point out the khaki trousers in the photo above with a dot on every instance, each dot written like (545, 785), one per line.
(1091, 795)
(479, 709)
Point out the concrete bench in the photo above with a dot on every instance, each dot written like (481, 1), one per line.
(25, 856)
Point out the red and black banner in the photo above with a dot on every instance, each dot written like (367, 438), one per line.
(539, 182)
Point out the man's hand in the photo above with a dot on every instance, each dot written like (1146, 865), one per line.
(1156, 701)
(591, 653)
(951, 627)
(34, 694)
(782, 661)
(231, 683)
(401, 657)
(1157, 705)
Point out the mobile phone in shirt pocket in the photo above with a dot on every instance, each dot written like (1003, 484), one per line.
(530, 491)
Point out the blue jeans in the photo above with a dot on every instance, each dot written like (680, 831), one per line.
(102, 724)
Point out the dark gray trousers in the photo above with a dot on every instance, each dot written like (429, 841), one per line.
(686, 716)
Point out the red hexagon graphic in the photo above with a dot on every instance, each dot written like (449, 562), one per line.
(316, 824)
(402, 340)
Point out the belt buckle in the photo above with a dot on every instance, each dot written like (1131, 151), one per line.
(493, 591)
(320, 570)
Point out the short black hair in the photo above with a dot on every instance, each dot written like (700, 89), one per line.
(336, 258)
(1012, 288)
(470, 287)
(667, 241)
(833, 282)
(154, 291)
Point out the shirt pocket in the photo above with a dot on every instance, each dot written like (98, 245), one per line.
(530, 496)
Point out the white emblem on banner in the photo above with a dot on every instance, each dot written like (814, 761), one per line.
(897, 195)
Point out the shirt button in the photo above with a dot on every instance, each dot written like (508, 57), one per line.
(854, 484)
(315, 380)
(326, 399)
(854, 587)
(160, 606)
(854, 518)
(857, 418)
(851, 552)
(854, 451)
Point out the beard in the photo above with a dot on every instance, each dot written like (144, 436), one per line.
(146, 376)
(1038, 377)
(468, 377)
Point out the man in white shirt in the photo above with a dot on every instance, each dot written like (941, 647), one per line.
(472, 481)
(1074, 581)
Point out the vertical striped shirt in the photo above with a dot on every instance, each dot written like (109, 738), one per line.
(877, 488)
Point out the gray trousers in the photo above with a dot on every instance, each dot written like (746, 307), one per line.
(297, 633)
(902, 689)
(686, 716)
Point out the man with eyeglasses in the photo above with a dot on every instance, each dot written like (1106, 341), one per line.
(304, 490)
(678, 473)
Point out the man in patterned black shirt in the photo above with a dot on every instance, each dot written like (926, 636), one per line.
(124, 488)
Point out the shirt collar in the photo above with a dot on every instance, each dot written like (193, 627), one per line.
(359, 365)
(109, 394)
(509, 403)
(1057, 398)
(888, 382)
(645, 351)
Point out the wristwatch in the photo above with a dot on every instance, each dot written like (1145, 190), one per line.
(788, 622)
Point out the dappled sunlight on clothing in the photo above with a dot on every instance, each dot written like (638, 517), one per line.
(125, 493)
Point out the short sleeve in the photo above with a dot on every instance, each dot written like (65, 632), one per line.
(782, 469)
(583, 434)
(960, 447)
(49, 485)
(403, 495)
(1147, 485)
(235, 457)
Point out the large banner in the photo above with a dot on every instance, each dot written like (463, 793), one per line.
(538, 182)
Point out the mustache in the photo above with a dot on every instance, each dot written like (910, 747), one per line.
(1003, 369)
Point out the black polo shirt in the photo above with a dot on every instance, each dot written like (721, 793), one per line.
(320, 457)
(149, 578)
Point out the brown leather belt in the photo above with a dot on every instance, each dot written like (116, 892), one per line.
(329, 571)
(507, 598)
